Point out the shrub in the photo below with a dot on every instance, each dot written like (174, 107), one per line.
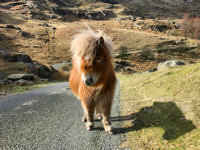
(123, 52)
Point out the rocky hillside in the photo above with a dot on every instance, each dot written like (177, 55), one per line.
(34, 35)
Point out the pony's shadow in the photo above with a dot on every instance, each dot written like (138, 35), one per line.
(162, 114)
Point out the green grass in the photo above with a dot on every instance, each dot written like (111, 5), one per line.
(162, 109)
(13, 89)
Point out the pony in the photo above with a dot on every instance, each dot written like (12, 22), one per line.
(92, 77)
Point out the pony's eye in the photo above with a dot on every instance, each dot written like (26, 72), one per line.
(98, 59)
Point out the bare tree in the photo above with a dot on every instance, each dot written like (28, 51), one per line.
(191, 26)
(197, 27)
(185, 24)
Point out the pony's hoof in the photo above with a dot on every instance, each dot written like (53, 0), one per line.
(109, 130)
(89, 126)
(99, 116)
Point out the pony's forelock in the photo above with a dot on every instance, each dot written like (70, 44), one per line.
(85, 44)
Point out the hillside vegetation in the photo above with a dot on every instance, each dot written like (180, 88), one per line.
(161, 110)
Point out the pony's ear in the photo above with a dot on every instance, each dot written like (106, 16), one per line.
(101, 40)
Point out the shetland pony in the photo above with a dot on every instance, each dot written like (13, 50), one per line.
(92, 78)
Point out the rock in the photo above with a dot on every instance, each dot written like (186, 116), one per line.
(7, 57)
(15, 4)
(2, 74)
(26, 34)
(16, 57)
(123, 63)
(45, 25)
(34, 69)
(152, 70)
(15, 77)
(118, 68)
(23, 82)
(60, 11)
(83, 13)
(44, 72)
(54, 28)
(6, 82)
(31, 4)
(170, 63)
(3, 53)
(110, 6)
(24, 58)
(161, 27)
(3, 93)
(101, 15)
(12, 27)
(52, 16)
(129, 70)
(177, 26)
(125, 18)
(3, 82)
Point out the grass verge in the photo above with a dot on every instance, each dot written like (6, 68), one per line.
(161, 110)
(13, 89)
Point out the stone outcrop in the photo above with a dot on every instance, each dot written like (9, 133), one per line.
(15, 77)
(170, 63)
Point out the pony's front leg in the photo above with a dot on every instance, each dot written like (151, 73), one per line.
(106, 110)
(84, 119)
(88, 117)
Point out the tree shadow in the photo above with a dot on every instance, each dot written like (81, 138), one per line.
(162, 114)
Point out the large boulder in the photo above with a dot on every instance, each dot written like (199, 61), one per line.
(23, 58)
(40, 70)
(44, 72)
(12, 27)
(16, 57)
(170, 63)
(26, 34)
(15, 77)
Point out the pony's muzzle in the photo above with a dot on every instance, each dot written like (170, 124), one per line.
(90, 79)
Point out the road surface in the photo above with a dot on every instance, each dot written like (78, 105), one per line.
(49, 118)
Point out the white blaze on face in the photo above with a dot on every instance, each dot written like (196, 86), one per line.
(89, 79)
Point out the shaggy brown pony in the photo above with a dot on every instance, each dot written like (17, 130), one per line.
(92, 78)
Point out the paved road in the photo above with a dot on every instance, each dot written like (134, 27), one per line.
(49, 118)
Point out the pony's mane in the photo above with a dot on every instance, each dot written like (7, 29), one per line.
(86, 42)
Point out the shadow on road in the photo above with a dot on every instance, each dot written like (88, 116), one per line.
(162, 114)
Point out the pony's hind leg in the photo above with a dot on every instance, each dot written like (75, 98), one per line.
(98, 113)
(107, 123)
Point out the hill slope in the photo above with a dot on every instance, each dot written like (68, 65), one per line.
(162, 109)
